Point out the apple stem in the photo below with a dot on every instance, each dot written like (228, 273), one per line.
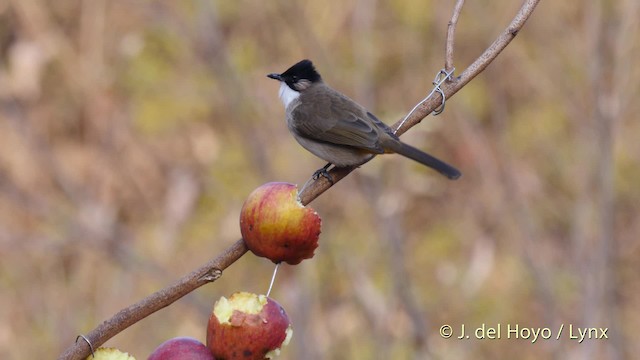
(273, 279)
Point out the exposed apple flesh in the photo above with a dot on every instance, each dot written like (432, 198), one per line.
(108, 353)
(275, 225)
(181, 348)
(247, 326)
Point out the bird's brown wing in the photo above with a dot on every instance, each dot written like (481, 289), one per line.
(337, 120)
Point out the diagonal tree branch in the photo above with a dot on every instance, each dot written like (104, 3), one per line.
(212, 270)
(126, 317)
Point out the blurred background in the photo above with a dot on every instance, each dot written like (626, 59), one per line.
(132, 131)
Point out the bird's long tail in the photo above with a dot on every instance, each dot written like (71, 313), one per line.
(422, 157)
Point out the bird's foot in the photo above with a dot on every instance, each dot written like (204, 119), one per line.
(323, 172)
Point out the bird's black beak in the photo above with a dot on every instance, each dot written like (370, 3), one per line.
(275, 76)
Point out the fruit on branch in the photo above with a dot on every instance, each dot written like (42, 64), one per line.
(181, 348)
(275, 225)
(247, 326)
(105, 353)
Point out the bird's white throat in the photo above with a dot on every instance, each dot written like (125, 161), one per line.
(287, 95)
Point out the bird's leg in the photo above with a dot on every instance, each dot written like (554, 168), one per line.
(324, 172)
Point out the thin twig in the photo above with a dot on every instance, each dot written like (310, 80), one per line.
(451, 35)
(210, 271)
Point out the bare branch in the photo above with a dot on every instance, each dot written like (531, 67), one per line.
(476, 67)
(451, 35)
(212, 270)
(207, 273)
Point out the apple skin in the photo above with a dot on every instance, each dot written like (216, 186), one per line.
(181, 348)
(247, 326)
(274, 224)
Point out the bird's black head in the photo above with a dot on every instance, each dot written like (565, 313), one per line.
(300, 76)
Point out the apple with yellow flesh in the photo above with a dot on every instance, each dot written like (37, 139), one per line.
(247, 326)
(181, 348)
(275, 225)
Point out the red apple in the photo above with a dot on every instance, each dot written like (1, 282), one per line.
(247, 326)
(181, 348)
(105, 353)
(275, 225)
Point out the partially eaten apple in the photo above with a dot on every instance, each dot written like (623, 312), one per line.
(247, 326)
(181, 348)
(275, 224)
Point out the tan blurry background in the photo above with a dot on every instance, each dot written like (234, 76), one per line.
(131, 132)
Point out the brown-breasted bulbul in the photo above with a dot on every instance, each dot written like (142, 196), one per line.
(336, 128)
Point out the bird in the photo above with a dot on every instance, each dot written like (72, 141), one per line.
(337, 129)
